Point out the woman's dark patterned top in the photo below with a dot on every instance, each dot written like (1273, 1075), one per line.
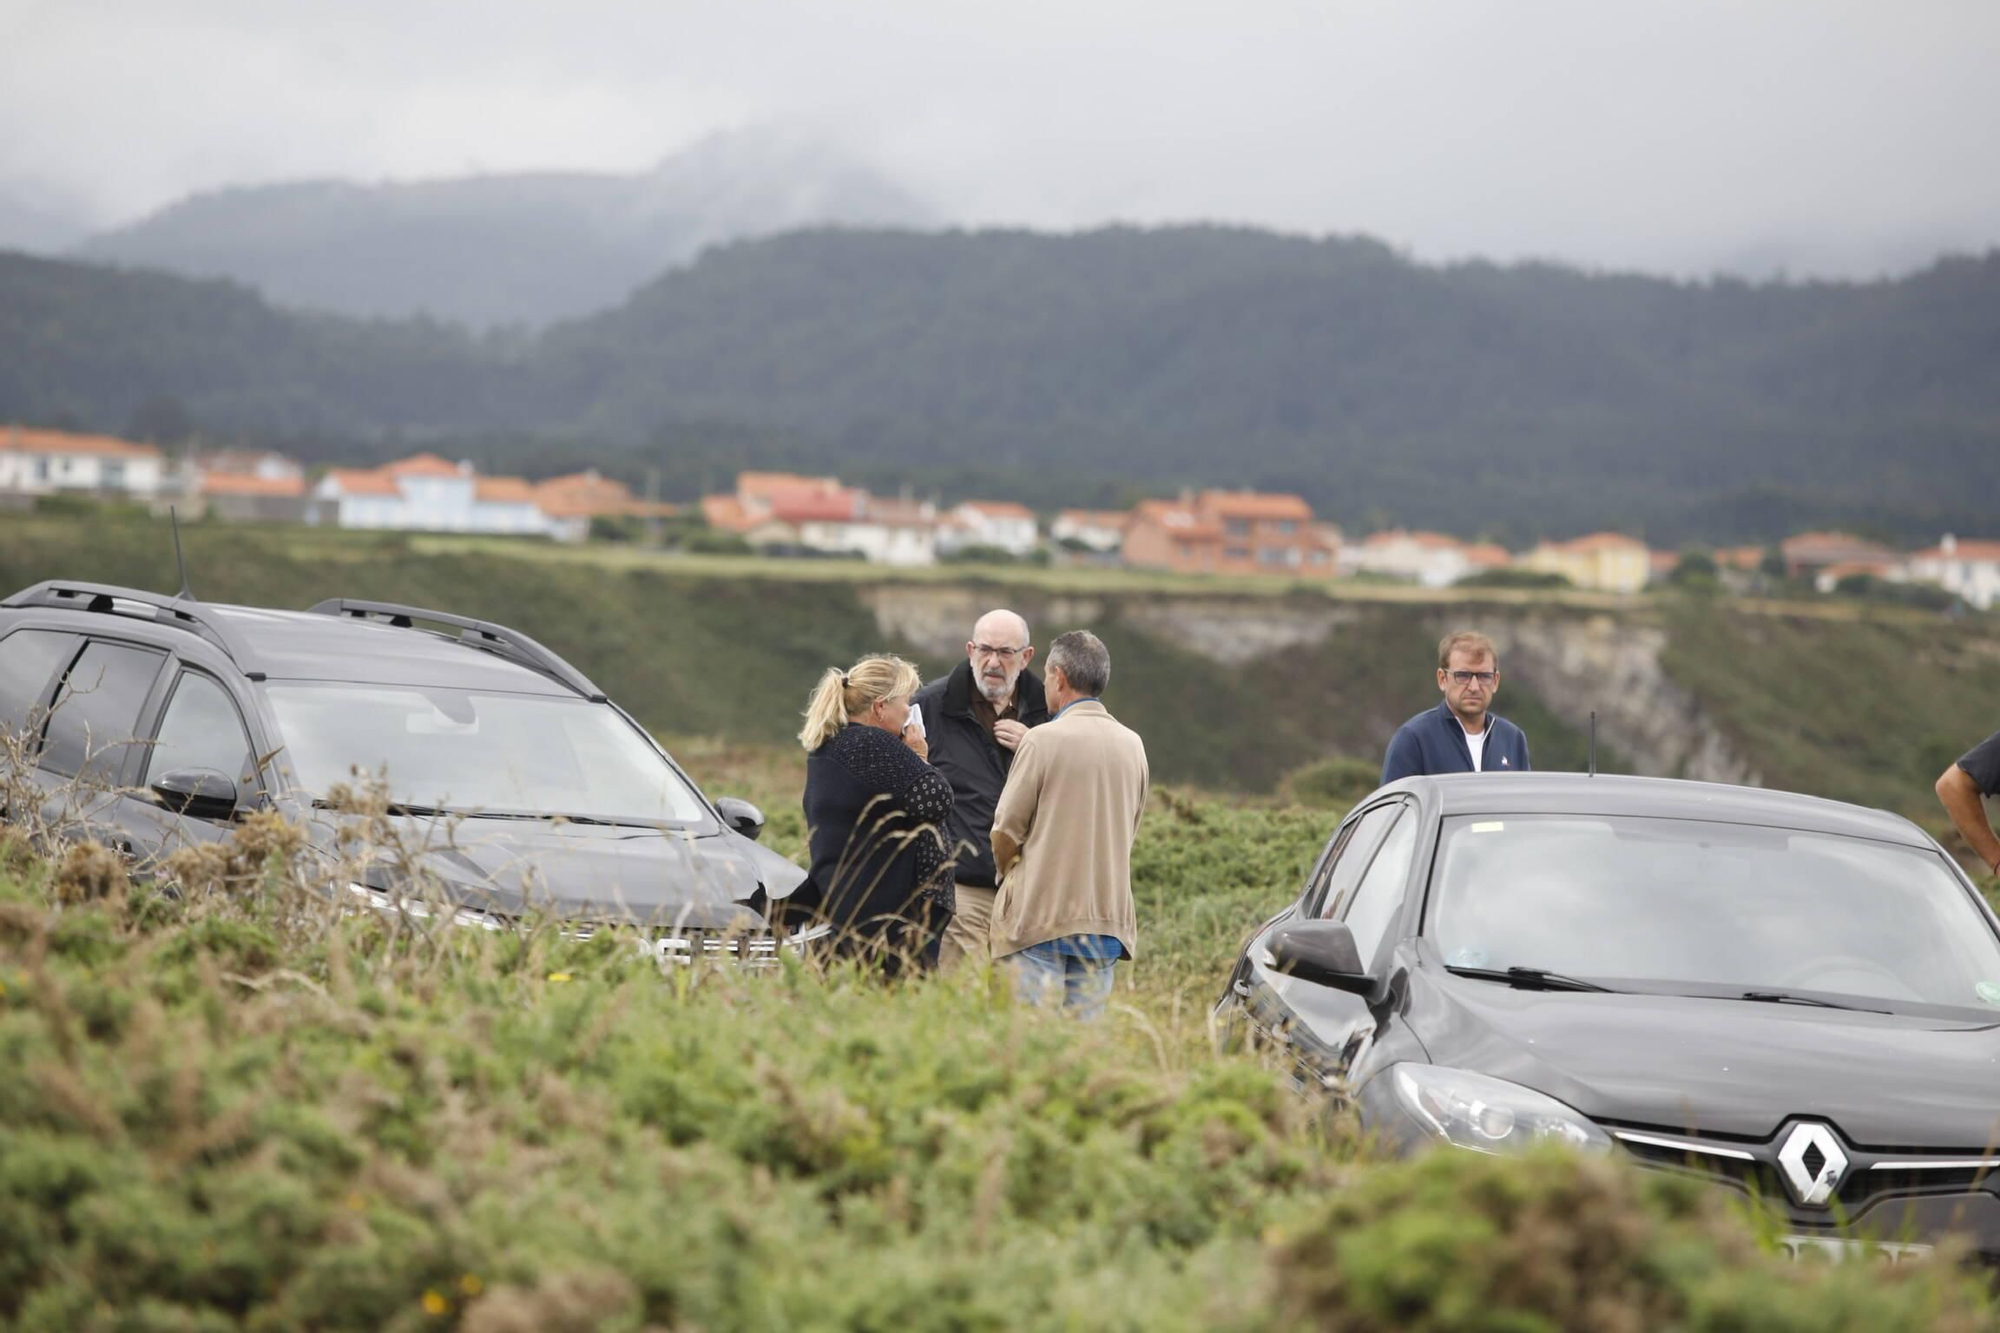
(875, 818)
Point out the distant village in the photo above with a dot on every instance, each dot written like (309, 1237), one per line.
(785, 514)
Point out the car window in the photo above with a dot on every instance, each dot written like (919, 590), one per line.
(28, 658)
(201, 729)
(1688, 905)
(1373, 904)
(480, 751)
(95, 713)
(1352, 859)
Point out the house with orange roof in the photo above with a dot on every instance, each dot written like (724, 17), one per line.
(1163, 534)
(44, 462)
(1602, 561)
(1231, 532)
(1969, 568)
(1429, 559)
(571, 502)
(1000, 524)
(1807, 552)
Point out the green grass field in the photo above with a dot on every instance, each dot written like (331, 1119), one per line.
(236, 1112)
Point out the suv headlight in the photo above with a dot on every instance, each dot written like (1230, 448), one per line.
(1489, 1115)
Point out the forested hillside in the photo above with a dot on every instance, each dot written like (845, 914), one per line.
(1514, 402)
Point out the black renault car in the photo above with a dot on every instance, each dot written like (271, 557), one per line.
(149, 722)
(1791, 997)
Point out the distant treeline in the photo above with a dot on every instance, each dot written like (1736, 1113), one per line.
(1507, 402)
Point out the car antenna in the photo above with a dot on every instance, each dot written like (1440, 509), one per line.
(179, 563)
(1593, 742)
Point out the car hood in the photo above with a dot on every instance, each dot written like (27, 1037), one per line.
(1731, 1067)
(596, 872)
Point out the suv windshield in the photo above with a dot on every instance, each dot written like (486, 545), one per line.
(480, 753)
(1715, 908)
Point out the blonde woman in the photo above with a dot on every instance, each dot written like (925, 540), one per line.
(875, 815)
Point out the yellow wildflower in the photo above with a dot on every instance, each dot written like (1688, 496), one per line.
(470, 1284)
(558, 976)
(436, 1304)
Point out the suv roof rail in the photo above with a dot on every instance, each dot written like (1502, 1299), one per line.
(165, 609)
(482, 634)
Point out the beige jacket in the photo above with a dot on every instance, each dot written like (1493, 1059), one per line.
(1063, 831)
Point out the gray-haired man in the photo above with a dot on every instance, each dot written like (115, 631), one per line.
(1062, 838)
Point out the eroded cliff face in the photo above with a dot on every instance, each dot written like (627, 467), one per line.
(1611, 666)
(1575, 661)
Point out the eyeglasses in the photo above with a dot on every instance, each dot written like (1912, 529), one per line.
(988, 650)
(1467, 677)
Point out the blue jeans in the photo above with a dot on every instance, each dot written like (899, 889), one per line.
(1041, 975)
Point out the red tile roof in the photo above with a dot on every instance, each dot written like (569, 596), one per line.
(1254, 504)
(798, 507)
(587, 495)
(362, 481)
(1963, 550)
(503, 490)
(23, 439)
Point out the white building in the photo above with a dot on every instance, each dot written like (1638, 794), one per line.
(426, 493)
(1000, 524)
(1969, 568)
(44, 462)
(1427, 558)
(1101, 530)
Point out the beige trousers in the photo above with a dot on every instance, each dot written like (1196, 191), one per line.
(968, 937)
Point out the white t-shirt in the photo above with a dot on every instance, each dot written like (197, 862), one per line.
(1476, 744)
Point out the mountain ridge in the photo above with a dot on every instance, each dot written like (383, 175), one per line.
(1073, 369)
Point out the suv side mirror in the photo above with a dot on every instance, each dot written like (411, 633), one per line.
(740, 815)
(201, 793)
(1321, 952)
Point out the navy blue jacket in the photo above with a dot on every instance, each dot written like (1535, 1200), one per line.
(1434, 742)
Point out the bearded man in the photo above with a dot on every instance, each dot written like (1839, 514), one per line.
(975, 719)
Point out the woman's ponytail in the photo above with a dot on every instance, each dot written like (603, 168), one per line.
(826, 710)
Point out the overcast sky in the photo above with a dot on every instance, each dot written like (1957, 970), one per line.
(1828, 136)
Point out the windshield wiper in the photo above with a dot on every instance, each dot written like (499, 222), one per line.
(1529, 978)
(1782, 997)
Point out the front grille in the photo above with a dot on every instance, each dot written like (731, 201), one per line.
(686, 946)
(1752, 1167)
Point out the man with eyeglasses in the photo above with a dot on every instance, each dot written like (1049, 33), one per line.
(975, 718)
(1462, 734)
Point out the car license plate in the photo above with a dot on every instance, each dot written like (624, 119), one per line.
(1840, 1248)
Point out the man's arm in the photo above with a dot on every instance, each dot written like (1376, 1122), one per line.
(1959, 792)
(1405, 756)
(1014, 813)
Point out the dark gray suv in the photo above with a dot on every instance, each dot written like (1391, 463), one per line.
(151, 722)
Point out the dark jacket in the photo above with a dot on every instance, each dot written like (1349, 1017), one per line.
(1434, 742)
(874, 812)
(973, 762)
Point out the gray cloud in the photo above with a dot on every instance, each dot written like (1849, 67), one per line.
(1839, 136)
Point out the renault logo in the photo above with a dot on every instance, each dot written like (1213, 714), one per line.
(1812, 1163)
